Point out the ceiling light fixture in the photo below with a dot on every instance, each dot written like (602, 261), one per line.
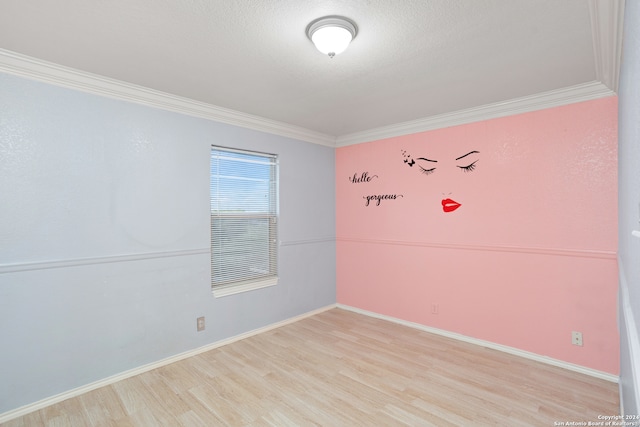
(332, 34)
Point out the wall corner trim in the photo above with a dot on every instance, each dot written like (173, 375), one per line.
(506, 349)
(607, 22)
(633, 338)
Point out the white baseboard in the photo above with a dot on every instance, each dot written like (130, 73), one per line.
(32, 407)
(633, 340)
(488, 344)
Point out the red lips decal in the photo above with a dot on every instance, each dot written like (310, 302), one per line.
(449, 205)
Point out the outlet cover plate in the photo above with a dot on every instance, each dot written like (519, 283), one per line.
(576, 338)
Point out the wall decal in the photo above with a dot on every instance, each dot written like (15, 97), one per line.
(536, 221)
(466, 163)
(364, 177)
(407, 159)
(450, 205)
(380, 197)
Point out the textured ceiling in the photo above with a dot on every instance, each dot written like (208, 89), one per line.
(411, 59)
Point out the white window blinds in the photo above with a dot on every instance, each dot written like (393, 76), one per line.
(244, 218)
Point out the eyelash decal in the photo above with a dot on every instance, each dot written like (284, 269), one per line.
(469, 168)
(427, 171)
(425, 164)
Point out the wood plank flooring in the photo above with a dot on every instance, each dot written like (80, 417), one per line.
(340, 368)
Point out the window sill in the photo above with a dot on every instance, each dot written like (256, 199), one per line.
(224, 291)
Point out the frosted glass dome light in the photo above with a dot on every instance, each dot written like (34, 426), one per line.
(332, 34)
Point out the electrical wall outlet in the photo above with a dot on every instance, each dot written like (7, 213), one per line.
(435, 309)
(576, 338)
(200, 323)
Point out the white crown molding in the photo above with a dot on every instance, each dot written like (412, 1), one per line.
(607, 21)
(554, 98)
(36, 69)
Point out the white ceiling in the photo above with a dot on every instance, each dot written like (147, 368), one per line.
(411, 59)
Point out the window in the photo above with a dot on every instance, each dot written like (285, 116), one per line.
(244, 220)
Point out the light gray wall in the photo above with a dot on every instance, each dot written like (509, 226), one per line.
(629, 210)
(104, 237)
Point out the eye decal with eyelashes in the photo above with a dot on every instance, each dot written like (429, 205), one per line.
(427, 171)
(469, 168)
(425, 165)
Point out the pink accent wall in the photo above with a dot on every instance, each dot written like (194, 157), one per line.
(527, 257)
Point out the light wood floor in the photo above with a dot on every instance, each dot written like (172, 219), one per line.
(340, 368)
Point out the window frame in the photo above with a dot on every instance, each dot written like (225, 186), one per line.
(272, 215)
